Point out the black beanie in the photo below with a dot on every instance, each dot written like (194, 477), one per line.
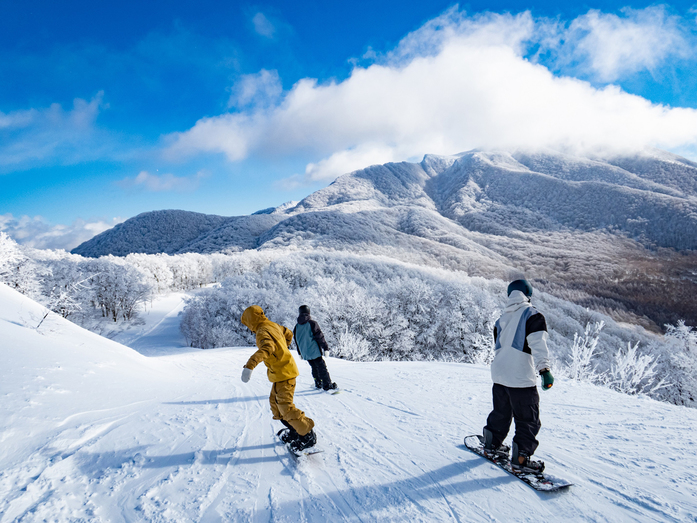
(522, 286)
(304, 309)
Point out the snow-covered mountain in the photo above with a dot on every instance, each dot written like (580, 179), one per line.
(649, 197)
(600, 231)
(175, 231)
(94, 431)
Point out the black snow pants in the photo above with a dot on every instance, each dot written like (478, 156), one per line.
(523, 405)
(320, 372)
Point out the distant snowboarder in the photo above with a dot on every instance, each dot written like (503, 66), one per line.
(520, 337)
(311, 345)
(272, 342)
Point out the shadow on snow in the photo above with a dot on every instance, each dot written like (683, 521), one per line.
(214, 402)
(95, 464)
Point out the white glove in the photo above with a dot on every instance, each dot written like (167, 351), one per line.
(246, 374)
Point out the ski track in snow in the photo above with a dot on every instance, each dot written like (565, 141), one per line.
(177, 437)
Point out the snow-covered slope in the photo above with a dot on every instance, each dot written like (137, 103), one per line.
(93, 431)
(173, 231)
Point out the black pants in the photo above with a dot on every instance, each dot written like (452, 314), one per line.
(523, 405)
(320, 372)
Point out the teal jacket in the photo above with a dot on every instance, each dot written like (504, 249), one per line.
(309, 339)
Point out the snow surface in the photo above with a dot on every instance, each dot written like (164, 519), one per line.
(158, 327)
(92, 430)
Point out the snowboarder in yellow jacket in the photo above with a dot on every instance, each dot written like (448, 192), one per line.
(272, 343)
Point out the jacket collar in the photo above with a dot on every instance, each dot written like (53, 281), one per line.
(516, 301)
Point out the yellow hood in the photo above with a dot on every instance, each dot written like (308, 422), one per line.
(252, 317)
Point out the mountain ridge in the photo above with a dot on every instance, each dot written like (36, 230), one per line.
(482, 191)
(568, 222)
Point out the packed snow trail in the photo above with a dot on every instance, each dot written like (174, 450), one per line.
(93, 431)
(159, 331)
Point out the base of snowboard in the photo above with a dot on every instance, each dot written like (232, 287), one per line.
(307, 452)
(328, 391)
(540, 482)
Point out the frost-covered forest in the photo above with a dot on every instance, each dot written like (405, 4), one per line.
(371, 307)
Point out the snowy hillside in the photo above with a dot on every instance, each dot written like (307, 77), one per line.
(174, 231)
(615, 234)
(93, 431)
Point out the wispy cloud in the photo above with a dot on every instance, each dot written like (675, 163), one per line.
(52, 135)
(263, 25)
(339, 163)
(38, 233)
(608, 47)
(458, 83)
(261, 89)
(162, 182)
(142, 80)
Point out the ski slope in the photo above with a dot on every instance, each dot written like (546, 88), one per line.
(91, 430)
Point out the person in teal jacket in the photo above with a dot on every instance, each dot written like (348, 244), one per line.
(311, 345)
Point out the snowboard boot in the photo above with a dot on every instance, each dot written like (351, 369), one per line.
(331, 386)
(522, 464)
(304, 442)
(288, 434)
(490, 449)
(318, 383)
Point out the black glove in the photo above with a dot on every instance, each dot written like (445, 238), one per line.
(547, 379)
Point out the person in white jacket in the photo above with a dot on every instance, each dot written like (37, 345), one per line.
(520, 353)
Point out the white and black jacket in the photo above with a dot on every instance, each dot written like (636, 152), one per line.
(521, 344)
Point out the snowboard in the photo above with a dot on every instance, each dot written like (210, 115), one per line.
(330, 391)
(541, 482)
(300, 453)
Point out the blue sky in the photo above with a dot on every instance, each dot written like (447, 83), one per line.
(109, 109)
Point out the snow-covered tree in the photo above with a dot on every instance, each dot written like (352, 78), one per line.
(65, 288)
(16, 269)
(634, 373)
(156, 269)
(580, 366)
(682, 362)
(117, 288)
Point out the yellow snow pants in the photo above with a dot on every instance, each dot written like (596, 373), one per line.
(283, 408)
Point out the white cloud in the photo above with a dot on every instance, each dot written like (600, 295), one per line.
(456, 83)
(263, 25)
(348, 161)
(36, 136)
(340, 163)
(609, 46)
(17, 119)
(36, 232)
(260, 89)
(162, 182)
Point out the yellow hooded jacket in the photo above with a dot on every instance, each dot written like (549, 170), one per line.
(272, 342)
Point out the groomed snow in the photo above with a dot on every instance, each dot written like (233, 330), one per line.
(91, 430)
